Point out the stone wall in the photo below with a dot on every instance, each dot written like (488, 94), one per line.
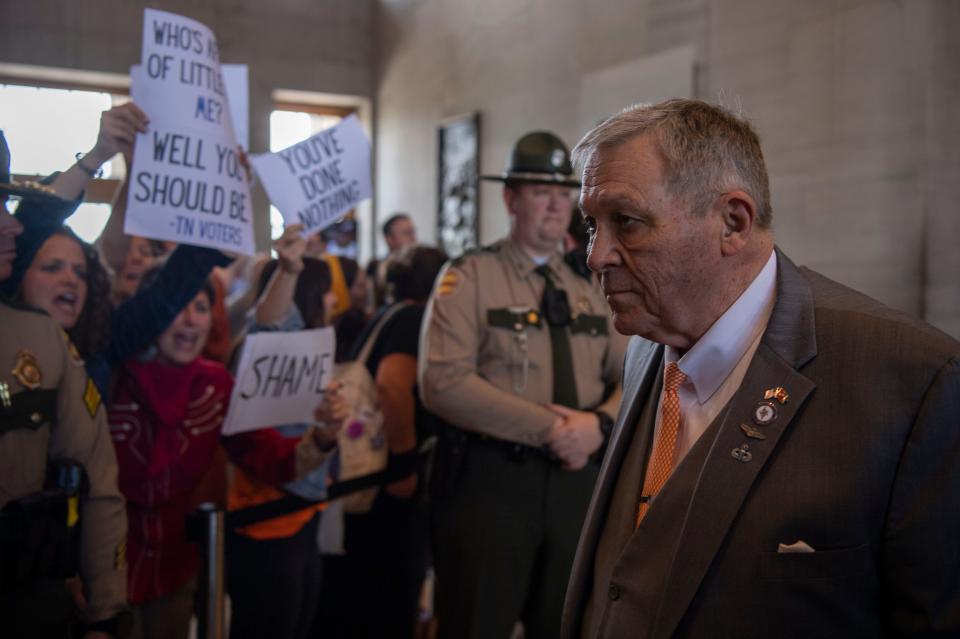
(853, 100)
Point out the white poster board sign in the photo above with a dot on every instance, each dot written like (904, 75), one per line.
(187, 184)
(281, 379)
(236, 80)
(315, 182)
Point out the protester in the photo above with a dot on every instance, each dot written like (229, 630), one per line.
(274, 566)
(165, 420)
(351, 322)
(74, 296)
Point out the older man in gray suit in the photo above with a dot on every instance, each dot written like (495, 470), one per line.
(786, 462)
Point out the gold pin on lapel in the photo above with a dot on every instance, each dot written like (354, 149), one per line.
(752, 432)
(778, 393)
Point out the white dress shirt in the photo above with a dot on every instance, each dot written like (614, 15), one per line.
(716, 364)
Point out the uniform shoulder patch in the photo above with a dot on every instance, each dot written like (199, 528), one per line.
(91, 398)
(71, 349)
(449, 282)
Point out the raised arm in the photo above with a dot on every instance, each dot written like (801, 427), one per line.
(277, 298)
(139, 320)
(118, 130)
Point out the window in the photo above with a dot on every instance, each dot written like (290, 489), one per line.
(46, 127)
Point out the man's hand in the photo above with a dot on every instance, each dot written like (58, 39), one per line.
(575, 437)
(118, 130)
(290, 247)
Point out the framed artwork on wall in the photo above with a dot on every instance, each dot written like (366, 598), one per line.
(458, 217)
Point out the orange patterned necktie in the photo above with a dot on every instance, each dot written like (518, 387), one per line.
(661, 462)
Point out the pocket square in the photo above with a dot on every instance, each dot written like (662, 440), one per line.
(797, 546)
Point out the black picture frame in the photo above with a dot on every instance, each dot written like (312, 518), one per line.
(458, 188)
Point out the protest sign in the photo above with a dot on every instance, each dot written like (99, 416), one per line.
(316, 181)
(187, 184)
(236, 81)
(281, 379)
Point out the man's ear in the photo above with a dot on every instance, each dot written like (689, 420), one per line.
(738, 214)
(509, 197)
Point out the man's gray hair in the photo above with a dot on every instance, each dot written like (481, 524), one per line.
(705, 149)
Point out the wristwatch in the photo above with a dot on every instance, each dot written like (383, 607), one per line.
(606, 424)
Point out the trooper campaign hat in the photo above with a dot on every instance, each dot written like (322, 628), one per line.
(32, 190)
(540, 157)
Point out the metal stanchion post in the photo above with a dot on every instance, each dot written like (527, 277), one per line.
(210, 616)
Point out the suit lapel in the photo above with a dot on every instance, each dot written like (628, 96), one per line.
(725, 481)
(641, 365)
(637, 389)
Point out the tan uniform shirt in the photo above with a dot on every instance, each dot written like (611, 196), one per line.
(485, 361)
(34, 352)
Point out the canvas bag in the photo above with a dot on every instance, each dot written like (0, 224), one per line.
(362, 441)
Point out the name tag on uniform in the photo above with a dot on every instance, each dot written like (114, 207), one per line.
(593, 325)
(514, 318)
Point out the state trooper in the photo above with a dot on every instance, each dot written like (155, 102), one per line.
(520, 358)
(59, 502)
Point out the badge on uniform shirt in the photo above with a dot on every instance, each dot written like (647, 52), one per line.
(91, 398)
(120, 556)
(27, 371)
(448, 283)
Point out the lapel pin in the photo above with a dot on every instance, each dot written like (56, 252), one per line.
(752, 432)
(779, 393)
(764, 413)
(742, 454)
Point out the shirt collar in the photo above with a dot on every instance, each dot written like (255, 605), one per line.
(711, 360)
(524, 263)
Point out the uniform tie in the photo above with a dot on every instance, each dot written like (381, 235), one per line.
(661, 461)
(556, 310)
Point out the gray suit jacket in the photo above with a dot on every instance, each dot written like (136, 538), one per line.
(862, 463)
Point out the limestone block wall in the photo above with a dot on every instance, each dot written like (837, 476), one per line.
(854, 101)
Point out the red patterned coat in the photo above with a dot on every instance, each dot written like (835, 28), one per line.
(165, 423)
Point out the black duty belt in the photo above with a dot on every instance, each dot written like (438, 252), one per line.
(517, 452)
(29, 409)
